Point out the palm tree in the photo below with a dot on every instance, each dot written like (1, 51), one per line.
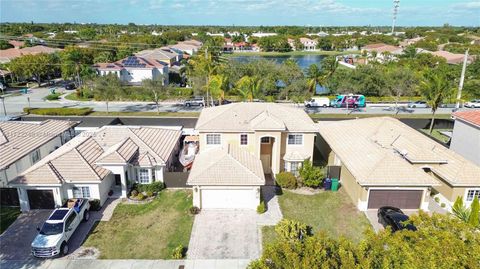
(317, 76)
(249, 87)
(156, 87)
(216, 86)
(435, 87)
(314, 76)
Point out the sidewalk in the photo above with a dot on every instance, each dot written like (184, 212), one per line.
(125, 264)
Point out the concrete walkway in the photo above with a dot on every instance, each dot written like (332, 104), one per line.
(273, 214)
(125, 264)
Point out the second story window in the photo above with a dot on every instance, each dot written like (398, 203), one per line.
(243, 139)
(35, 156)
(295, 139)
(213, 139)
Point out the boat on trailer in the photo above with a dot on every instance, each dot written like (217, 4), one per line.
(189, 150)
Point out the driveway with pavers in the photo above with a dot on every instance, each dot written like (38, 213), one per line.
(232, 234)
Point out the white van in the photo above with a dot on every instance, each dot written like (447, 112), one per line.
(318, 101)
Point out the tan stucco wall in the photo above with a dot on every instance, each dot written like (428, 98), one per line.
(354, 190)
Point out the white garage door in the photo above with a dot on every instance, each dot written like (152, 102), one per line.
(223, 198)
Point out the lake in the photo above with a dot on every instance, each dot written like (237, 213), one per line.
(304, 61)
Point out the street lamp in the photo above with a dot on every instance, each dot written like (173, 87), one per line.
(396, 5)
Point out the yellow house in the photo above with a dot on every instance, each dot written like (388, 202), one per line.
(280, 136)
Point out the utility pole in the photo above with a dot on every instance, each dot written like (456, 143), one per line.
(396, 5)
(462, 78)
(3, 103)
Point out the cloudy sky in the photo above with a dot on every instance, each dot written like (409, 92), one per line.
(243, 12)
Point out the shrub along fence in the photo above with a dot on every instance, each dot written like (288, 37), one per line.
(59, 111)
(175, 179)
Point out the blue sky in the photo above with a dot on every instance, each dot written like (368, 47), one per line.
(243, 12)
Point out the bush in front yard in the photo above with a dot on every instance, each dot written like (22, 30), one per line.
(152, 187)
(286, 180)
(149, 194)
(53, 96)
(194, 210)
(291, 229)
(310, 175)
(261, 208)
(178, 253)
(94, 204)
(140, 196)
(133, 193)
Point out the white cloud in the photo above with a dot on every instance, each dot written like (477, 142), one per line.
(468, 5)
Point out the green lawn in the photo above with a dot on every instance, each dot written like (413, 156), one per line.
(436, 134)
(332, 212)
(149, 231)
(73, 96)
(7, 216)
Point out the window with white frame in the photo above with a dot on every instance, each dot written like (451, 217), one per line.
(81, 192)
(35, 156)
(143, 176)
(471, 195)
(295, 167)
(265, 140)
(213, 139)
(295, 139)
(243, 139)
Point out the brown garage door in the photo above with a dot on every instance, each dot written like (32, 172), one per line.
(405, 199)
(41, 199)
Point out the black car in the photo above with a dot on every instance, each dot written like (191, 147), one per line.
(395, 218)
(224, 102)
(70, 86)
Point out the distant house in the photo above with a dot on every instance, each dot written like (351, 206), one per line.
(466, 135)
(165, 54)
(307, 43)
(383, 51)
(16, 44)
(242, 46)
(134, 69)
(189, 46)
(411, 41)
(99, 162)
(260, 34)
(320, 34)
(10, 54)
(451, 58)
(22, 144)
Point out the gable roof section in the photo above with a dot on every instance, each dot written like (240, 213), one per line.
(384, 151)
(244, 117)
(18, 138)
(229, 166)
(121, 153)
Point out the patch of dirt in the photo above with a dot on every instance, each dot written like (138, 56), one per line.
(87, 253)
(306, 191)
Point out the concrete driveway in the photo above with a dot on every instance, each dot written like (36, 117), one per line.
(225, 234)
(15, 241)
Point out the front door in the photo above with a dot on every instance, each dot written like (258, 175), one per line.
(266, 161)
(118, 180)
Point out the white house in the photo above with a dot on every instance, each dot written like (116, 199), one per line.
(307, 43)
(96, 163)
(22, 144)
(243, 141)
(134, 69)
(466, 135)
(190, 47)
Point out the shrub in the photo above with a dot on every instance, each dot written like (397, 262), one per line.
(436, 199)
(52, 96)
(194, 210)
(261, 208)
(178, 253)
(140, 196)
(133, 193)
(286, 180)
(152, 187)
(94, 204)
(310, 175)
(442, 205)
(59, 111)
(289, 229)
(149, 194)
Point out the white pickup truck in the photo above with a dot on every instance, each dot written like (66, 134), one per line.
(52, 238)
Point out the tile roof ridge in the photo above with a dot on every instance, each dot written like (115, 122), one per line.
(87, 163)
(145, 144)
(216, 116)
(55, 172)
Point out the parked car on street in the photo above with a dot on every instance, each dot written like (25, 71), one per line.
(473, 104)
(418, 104)
(317, 102)
(395, 218)
(224, 102)
(52, 238)
(70, 86)
(197, 101)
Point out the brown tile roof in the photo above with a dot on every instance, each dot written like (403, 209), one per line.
(16, 44)
(385, 151)
(229, 166)
(381, 47)
(81, 159)
(472, 116)
(9, 54)
(18, 138)
(254, 116)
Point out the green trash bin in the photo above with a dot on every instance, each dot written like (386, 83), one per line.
(52, 90)
(334, 184)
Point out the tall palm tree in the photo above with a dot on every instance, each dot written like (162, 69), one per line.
(435, 87)
(314, 76)
(217, 85)
(249, 87)
(317, 76)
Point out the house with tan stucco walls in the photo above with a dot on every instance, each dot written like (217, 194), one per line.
(384, 162)
(280, 137)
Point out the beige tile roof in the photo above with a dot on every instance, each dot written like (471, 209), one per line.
(295, 156)
(229, 166)
(385, 149)
(81, 159)
(18, 138)
(243, 117)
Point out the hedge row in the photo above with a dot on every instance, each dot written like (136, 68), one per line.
(60, 111)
